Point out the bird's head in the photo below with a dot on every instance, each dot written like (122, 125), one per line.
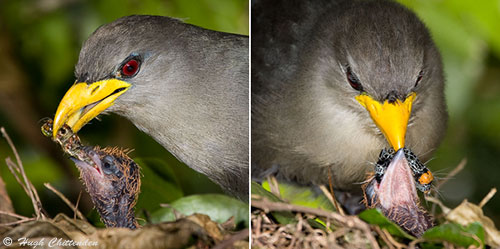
(113, 182)
(115, 61)
(384, 62)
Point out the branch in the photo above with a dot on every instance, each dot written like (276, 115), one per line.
(241, 235)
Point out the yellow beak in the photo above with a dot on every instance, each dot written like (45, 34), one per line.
(82, 102)
(391, 118)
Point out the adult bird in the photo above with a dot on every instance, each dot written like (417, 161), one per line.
(334, 82)
(185, 86)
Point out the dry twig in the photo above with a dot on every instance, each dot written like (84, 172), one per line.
(273, 186)
(332, 198)
(383, 236)
(27, 185)
(77, 203)
(241, 235)
(14, 215)
(450, 175)
(73, 207)
(21, 219)
(488, 197)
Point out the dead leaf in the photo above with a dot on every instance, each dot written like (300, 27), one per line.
(467, 213)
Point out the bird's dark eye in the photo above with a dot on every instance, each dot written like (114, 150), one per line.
(353, 80)
(419, 77)
(130, 68)
(108, 165)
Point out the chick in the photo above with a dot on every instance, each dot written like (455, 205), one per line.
(111, 177)
(392, 189)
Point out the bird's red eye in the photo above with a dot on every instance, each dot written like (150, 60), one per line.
(353, 80)
(130, 68)
(419, 77)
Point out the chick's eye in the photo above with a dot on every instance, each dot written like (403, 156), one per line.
(108, 164)
(353, 80)
(130, 68)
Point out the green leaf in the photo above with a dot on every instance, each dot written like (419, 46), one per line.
(456, 234)
(219, 207)
(477, 229)
(257, 189)
(158, 184)
(302, 196)
(376, 217)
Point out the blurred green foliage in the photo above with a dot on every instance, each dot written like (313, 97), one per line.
(467, 34)
(301, 195)
(40, 42)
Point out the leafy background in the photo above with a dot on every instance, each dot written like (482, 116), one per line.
(39, 46)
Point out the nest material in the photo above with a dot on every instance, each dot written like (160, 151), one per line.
(269, 234)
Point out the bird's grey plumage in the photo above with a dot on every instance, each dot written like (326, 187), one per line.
(305, 119)
(190, 95)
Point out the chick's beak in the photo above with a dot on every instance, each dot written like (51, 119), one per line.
(390, 118)
(397, 186)
(82, 102)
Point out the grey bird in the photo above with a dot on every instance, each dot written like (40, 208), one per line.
(185, 86)
(334, 82)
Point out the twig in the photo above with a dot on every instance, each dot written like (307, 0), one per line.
(450, 175)
(273, 186)
(331, 198)
(12, 167)
(21, 218)
(16, 222)
(241, 235)
(413, 244)
(35, 199)
(177, 214)
(391, 239)
(258, 225)
(476, 238)
(14, 215)
(14, 150)
(76, 204)
(73, 207)
(350, 221)
(383, 236)
(335, 202)
(488, 197)
(435, 200)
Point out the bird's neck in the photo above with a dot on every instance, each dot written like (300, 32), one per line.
(116, 212)
(211, 139)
